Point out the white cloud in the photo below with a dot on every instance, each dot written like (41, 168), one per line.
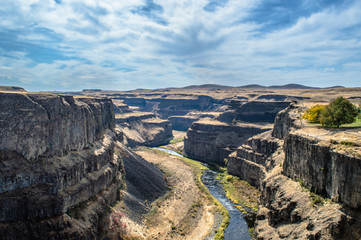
(108, 44)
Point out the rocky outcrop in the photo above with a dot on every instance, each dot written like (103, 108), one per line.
(286, 121)
(324, 164)
(212, 141)
(182, 123)
(252, 160)
(259, 111)
(165, 106)
(287, 212)
(120, 107)
(38, 124)
(61, 165)
(144, 129)
(313, 159)
(252, 111)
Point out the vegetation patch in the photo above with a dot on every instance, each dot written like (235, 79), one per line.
(198, 169)
(316, 199)
(338, 112)
(176, 140)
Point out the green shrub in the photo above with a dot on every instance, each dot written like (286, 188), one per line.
(338, 112)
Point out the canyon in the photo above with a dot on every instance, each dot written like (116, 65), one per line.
(66, 157)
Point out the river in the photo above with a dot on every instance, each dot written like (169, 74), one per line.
(237, 228)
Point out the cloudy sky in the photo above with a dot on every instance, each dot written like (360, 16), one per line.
(122, 45)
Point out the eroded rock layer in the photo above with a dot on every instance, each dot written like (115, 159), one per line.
(290, 207)
(61, 165)
(212, 141)
(144, 129)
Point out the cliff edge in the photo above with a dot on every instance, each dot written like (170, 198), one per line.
(61, 165)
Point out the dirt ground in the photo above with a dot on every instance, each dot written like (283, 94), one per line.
(182, 213)
(185, 213)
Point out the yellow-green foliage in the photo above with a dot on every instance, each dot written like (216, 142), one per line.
(198, 169)
(313, 114)
(239, 192)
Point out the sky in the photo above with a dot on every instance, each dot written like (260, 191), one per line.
(68, 45)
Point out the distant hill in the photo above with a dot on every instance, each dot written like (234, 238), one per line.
(338, 86)
(207, 87)
(252, 86)
(291, 86)
(12, 88)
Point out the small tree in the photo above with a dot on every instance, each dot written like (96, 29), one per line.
(313, 114)
(339, 111)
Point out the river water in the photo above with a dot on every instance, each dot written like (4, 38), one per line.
(237, 228)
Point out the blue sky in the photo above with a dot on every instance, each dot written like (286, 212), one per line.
(123, 45)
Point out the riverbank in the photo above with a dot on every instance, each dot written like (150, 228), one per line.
(186, 211)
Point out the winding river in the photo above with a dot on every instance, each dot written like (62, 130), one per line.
(237, 228)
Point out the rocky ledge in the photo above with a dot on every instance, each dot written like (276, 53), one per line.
(328, 161)
(61, 165)
(290, 208)
(252, 160)
(212, 141)
(182, 123)
(144, 129)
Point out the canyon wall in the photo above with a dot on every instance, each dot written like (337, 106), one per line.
(252, 159)
(144, 129)
(60, 159)
(212, 141)
(289, 208)
(325, 165)
(165, 106)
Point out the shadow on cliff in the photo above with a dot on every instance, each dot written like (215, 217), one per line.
(144, 184)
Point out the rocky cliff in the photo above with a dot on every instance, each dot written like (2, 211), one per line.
(327, 161)
(253, 111)
(182, 123)
(144, 129)
(60, 164)
(212, 141)
(316, 162)
(252, 159)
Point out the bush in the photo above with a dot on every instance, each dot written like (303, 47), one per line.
(313, 114)
(338, 112)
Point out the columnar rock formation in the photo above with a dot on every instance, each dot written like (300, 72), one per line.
(182, 123)
(144, 129)
(252, 160)
(308, 155)
(326, 162)
(212, 141)
(252, 111)
(61, 165)
(164, 106)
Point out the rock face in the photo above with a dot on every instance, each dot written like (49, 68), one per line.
(322, 166)
(144, 129)
(287, 210)
(182, 123)
(253, 111)
(120, 107)
(251, 160)
(37, 124)
(164, 106)
(212, 141)
(60, 164)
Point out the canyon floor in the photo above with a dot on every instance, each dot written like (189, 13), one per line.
(184, 212)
